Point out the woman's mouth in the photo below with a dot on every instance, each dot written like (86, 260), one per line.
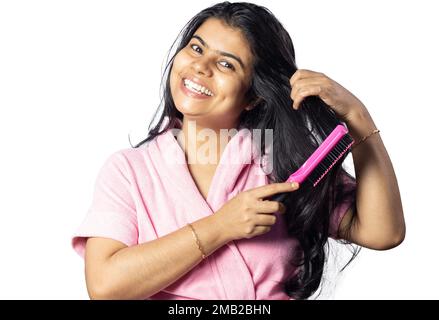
(195, 90)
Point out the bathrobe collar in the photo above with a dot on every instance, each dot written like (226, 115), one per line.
(238, 155)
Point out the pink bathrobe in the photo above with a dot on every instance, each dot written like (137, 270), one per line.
(144, 193)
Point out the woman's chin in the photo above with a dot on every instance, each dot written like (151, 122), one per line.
(191, 109)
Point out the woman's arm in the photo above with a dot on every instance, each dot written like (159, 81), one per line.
(379, 221)
(115, 271)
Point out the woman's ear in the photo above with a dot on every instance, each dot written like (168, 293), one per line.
(254, 103)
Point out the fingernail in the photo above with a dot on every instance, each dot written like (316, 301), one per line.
(294, 185)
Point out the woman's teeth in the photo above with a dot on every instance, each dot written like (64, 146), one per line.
(197, 88)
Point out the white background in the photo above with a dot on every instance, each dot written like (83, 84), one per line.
(76, 77)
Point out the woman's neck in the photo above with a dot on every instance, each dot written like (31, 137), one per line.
(203, 144)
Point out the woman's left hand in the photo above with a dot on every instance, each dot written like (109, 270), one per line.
(310, 83)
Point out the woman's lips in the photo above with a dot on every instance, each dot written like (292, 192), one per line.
(192, 94)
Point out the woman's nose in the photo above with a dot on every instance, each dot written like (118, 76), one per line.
(202, 66)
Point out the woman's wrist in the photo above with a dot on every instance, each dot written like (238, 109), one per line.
(210, 234)
(223, 231)
(360, 124)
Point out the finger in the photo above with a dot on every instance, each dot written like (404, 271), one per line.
(273, 188)
(302, 74)
(304, 83)
(267, 206)
(261, 230)
(266, 220)
(302, 94)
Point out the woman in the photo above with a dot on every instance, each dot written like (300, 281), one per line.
(166, 224)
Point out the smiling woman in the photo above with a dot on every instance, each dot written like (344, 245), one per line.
(165, 225)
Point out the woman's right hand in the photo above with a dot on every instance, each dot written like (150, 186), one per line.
(248, 215)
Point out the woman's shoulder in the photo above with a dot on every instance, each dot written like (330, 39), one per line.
(130, 153)
(127, 158)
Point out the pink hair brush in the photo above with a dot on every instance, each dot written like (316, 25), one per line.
(322, 160)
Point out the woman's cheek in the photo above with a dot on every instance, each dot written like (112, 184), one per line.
(234, 89)
(177, 69)
(181, 60)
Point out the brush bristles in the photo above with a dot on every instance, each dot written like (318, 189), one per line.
(342, 147)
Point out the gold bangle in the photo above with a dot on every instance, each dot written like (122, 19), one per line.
(365, 137)
(203, 255)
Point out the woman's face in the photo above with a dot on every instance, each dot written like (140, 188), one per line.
(211, 75)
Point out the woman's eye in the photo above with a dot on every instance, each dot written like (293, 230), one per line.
(227, 65)
(196, 48)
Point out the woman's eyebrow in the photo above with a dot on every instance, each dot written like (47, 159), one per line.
(226, 54)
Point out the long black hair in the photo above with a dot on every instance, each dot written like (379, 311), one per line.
(296, 133)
